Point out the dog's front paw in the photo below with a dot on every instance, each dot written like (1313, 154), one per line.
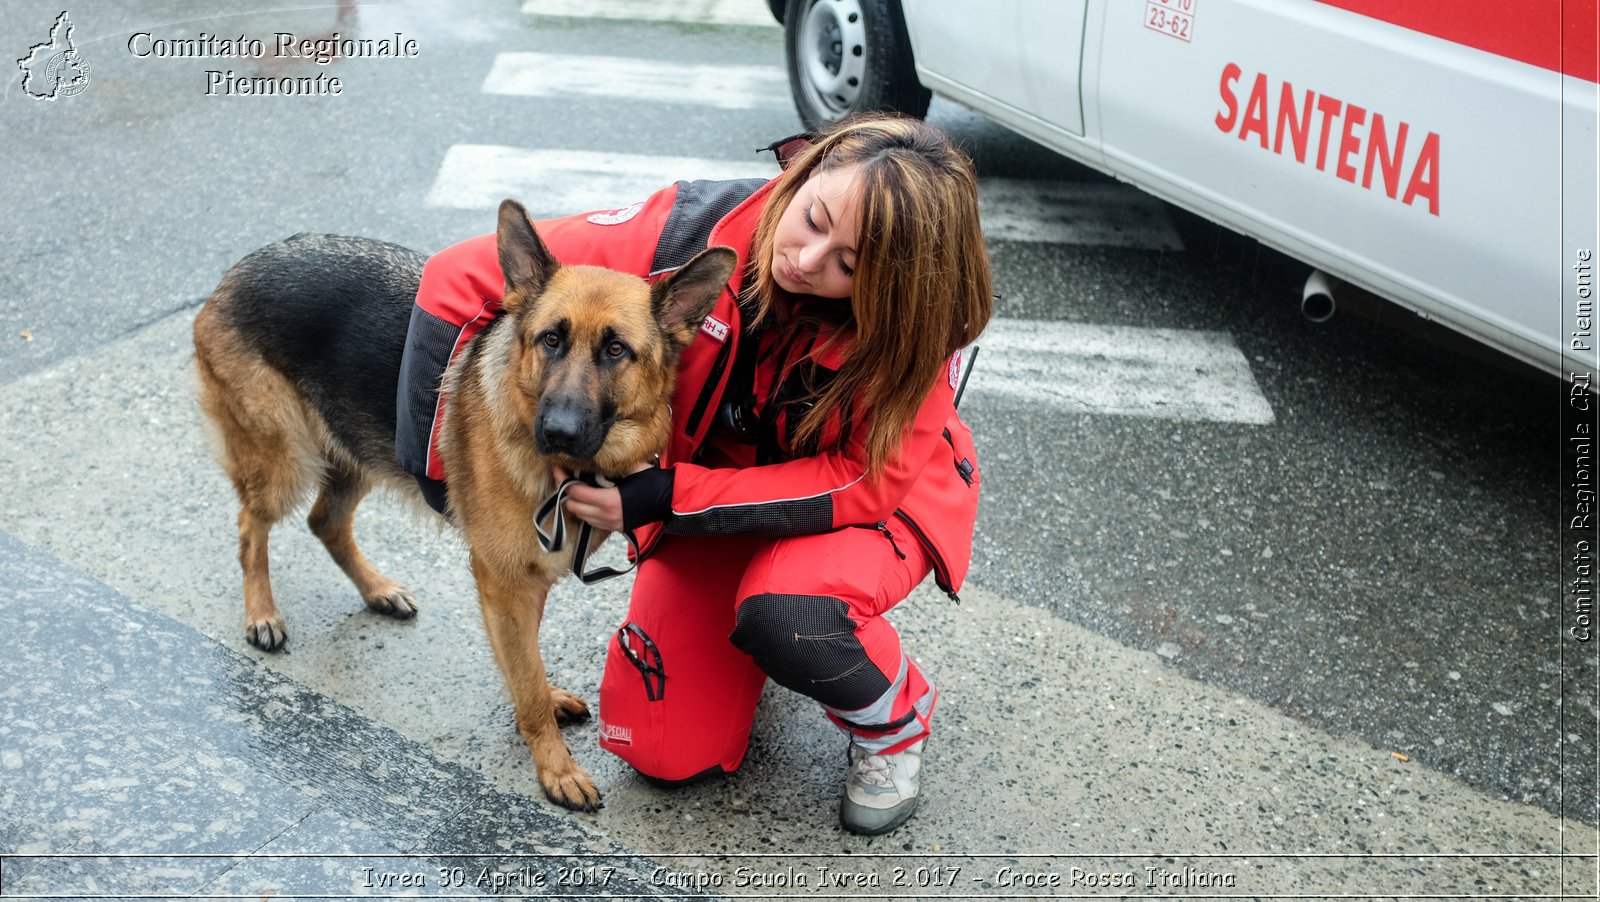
(571, 788)
(268, 634)
(398, 603)
(569, 708)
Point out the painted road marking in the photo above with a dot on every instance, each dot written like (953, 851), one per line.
(558, 75)
(559, 182)
(1172, 374)
(715, 12)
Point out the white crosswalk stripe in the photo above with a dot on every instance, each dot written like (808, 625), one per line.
(1173, 374)
(715, 12)
(558, 182)
(557, 75)
(555, 182)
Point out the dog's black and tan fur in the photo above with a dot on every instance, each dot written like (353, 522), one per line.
(299, 351)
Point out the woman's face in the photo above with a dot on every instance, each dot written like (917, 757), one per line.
(814, 247)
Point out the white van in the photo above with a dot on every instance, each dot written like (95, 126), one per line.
(1438, 154)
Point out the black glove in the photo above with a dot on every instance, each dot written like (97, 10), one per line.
(646, 497)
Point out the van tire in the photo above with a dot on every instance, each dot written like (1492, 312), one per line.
(850, 56)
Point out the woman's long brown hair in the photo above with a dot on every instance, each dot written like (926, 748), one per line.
(921, 288)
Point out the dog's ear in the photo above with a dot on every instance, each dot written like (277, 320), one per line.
(524, 260)
(682, 300)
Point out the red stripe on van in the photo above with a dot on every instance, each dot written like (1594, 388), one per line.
(1559, 35)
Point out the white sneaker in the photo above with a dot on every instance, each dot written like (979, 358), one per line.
(881, 792)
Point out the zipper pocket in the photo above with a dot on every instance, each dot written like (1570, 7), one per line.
(883, 527)
(941, 570)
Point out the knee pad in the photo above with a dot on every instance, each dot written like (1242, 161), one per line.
(808, 643)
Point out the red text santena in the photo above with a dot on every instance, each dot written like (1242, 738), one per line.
(1357, 154)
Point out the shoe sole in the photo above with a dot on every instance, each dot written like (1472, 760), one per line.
(900, 818)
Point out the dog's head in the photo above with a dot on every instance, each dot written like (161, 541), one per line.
(596, 350)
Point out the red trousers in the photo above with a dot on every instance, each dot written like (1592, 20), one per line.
(712, 617)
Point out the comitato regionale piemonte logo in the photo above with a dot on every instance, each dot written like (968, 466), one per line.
(54, 69)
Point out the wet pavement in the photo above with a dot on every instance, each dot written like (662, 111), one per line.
(149, 749)
(142, 758)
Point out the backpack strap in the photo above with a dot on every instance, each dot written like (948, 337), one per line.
(696, 210)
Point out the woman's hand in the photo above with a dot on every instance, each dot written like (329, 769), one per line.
(598, 507)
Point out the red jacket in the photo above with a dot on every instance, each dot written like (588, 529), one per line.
(928, 493)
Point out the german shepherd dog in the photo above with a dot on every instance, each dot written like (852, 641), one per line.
(299, 353)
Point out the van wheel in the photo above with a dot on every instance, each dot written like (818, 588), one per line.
(850, 56)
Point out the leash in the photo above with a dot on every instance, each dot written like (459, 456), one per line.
(554, 538)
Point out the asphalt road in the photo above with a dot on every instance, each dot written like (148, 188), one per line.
(1378, 560)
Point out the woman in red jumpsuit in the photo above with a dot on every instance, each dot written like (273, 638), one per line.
(817, 470)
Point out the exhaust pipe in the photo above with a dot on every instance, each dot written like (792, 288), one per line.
(1316, 300)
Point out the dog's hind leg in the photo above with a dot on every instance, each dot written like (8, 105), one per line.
(269, 473)
(263, 624)
(333, 521)
(269, 478)
(265, 447)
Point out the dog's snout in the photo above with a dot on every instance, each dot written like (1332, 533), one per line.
(569, 429)
(559, 425)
